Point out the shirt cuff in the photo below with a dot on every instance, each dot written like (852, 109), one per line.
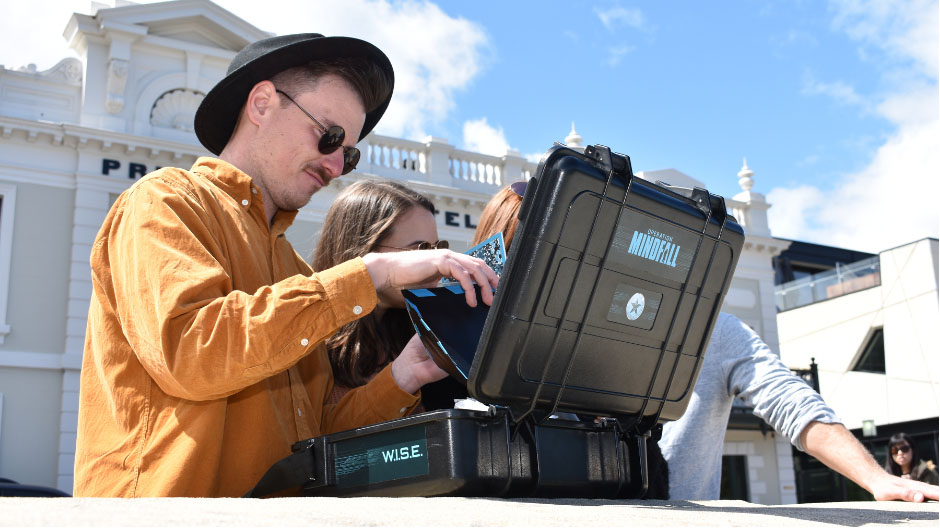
(387, 399)
(349, 288)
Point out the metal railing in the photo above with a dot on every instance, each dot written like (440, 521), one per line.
(844, 279)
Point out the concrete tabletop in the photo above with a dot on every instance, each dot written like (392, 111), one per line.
(454, 512)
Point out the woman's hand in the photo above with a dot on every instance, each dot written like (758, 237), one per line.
(414, 367)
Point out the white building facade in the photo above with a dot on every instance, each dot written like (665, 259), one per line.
(75, 136)
(901, 304)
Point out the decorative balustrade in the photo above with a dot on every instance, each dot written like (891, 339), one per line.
(393, 157)
(436, 161)
(476, 167)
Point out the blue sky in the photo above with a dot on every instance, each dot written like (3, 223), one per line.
(834, 104)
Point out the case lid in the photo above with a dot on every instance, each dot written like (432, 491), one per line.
(609, 294)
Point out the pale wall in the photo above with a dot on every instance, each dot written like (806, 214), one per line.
(39, 269)
(29, 433)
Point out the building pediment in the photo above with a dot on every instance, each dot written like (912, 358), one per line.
(194, 21)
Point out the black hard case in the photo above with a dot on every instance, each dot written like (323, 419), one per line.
(476, 453)
(551, 340)
(555, 340)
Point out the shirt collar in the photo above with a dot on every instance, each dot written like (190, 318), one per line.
(226, 176)
(238, 184)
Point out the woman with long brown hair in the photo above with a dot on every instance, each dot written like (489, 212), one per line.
(374, 216)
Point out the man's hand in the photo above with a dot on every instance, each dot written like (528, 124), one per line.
(888, 487)
(393, 271)
(414, 367)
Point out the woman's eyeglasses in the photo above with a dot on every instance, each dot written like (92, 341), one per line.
(900, 448)
(519, 188)
(423, 245)
(331, 139)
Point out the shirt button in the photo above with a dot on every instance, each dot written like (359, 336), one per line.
(357, 310)
(254, 191)
(245, 202)
(402, 410)
(304, 342)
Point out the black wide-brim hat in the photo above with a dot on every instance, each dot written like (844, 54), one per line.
(218, 113)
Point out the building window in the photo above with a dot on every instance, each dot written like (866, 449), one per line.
(872, 359)
(734, 478)
(7, 211)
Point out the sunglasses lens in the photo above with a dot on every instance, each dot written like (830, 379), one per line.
(350, 159)
(331, 139)
(443, 245)
(519, 188)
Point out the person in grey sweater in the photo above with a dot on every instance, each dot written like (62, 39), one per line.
(739, 364)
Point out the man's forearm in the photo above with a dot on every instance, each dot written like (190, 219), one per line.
(839, 450)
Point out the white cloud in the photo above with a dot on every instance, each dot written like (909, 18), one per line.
(797, 37)
(435, 55)
(809, 160)
(914, 106)
(842, 92)
(892, 200)
(620, 16)
(788, 217)
(39, 41)
(480, 136)
(616, 53)
(534, 157)
(888, 203)
(904, 30)
(616, 18)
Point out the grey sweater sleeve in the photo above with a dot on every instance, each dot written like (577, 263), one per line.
(756, 375)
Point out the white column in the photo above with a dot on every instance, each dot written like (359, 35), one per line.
(785, 470)
(513, 163)
(439, 161)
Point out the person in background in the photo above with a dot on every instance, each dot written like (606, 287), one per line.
(204, 359)
(501, 214)
(377, 216)
(903, 461)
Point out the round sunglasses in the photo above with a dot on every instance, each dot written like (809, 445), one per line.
(423, 245)
(330, 139)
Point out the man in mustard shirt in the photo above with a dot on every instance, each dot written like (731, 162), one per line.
(203, 360)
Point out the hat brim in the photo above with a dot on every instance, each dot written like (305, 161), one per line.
(218, 113)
